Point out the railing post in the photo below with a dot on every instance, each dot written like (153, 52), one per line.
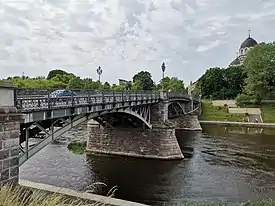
(89, 97)
(49, 99)
(72, 99)
(136, 95)
(114, 97)
(103, 97)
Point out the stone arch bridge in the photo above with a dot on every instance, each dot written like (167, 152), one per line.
(137, 124)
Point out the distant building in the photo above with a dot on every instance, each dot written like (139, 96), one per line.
(123, 81)
(248, 44)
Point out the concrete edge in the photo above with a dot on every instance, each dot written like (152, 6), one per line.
(244, 124)
(78, 194)
(102, 153)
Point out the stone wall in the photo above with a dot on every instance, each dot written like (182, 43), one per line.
(9, 144)
(160, 142)
(157, 143)
(187, 122)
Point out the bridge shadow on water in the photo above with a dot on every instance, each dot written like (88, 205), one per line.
(147, 181)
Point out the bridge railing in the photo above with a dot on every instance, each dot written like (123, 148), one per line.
(182, 95)
(30, 99)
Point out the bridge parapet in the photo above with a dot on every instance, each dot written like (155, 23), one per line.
(9, 135)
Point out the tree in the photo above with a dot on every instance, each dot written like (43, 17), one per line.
(55, 72)
(234, 78)
(212, 83)
(171, 84)
(259, 66)
(106, 86)
(76, 83)
(143, 81)
(118, 87)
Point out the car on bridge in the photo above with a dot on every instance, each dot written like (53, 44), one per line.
(62, 93)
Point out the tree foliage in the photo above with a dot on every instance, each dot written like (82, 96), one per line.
(55, 72)
(171, 84)
(220, 83)
(260, 68)
(143, 81)
(59, 79)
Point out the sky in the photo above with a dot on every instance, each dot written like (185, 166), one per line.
(128, 36)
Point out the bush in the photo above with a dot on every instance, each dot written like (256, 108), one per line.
(244, 99)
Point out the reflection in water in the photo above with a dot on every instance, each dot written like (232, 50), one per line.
(218, 165)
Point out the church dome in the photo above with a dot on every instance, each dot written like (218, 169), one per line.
(249, 42)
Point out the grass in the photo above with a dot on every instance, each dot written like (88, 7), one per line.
(267, 109)
(22, 196)
(220, 113)
(77, 147)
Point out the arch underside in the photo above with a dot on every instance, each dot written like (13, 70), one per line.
(175, 109)
(136, 117)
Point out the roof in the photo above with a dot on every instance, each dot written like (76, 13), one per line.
(249, 42)
(235, 62)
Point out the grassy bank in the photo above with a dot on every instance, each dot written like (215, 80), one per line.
(268, 111)
(22, 196)
(220, 113)
(77, 147)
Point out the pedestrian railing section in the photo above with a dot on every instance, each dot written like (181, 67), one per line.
(36, 99)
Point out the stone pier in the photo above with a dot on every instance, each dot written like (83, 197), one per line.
(160, 142)
(187, 122)
(9, 135)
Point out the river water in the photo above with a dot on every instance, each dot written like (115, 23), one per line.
(220, 165)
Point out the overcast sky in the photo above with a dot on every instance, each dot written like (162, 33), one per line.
(127, 36)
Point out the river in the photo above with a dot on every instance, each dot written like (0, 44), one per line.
(219, 165)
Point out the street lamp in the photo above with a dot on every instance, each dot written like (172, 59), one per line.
(99, 72)
(163, 70)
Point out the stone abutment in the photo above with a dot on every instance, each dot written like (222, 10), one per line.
(9, 136)
(160, 142)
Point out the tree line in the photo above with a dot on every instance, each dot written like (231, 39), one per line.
(60, 79)
(253, 81)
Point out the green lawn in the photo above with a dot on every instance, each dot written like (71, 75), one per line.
(268, 111)
(213, 113)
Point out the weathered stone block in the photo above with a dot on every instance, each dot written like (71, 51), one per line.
(187, 122)
(4, 154)
(14, 171)
(158, 143)
(5, 175)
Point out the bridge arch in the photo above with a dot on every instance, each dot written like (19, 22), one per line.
(139, 116)
(175, 109)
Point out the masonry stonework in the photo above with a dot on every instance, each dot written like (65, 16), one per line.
(187, 122)
(160, 142)
(9, 145)
(9, 135)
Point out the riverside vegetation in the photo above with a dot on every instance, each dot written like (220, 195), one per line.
(77, 147)
(220, 113)
(22, 196)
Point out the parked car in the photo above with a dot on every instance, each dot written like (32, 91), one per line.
(62, 93)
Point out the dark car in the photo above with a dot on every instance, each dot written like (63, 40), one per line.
(62, 93)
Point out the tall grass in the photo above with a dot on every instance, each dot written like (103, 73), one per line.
(22, 196)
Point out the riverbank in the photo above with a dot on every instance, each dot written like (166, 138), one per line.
(220, 113)
(38, 194)
(268, 111)
(238, 124)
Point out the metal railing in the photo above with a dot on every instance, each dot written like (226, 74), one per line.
(30, 99)
(35, 99)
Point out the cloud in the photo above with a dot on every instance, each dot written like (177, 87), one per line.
(126, 36)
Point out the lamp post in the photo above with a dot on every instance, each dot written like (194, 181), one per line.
(163, 70)
(99, 72)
